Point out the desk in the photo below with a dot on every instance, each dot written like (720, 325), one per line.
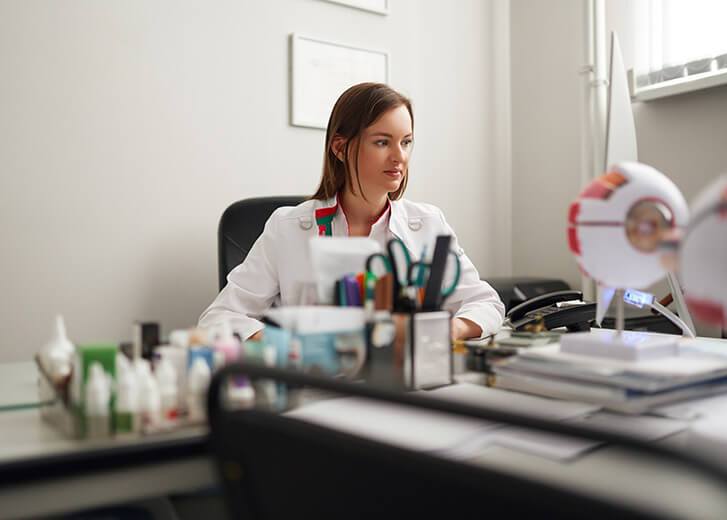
(42, 472)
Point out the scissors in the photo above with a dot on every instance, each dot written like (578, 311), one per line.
(409, 276)
(398, 263)
(434, 293)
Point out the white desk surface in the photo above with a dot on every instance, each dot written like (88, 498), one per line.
(24, 436)
(607, 471)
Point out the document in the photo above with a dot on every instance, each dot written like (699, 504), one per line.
(402, 426)
(541, 407)
(547, 445)
(642, 427)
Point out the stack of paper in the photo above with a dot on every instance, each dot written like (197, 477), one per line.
(625, 386)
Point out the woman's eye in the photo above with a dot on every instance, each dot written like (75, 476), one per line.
(381, 142)
(406, 143)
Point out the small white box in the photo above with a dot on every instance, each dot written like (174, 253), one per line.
(629, 345)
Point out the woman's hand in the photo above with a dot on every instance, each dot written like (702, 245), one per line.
(462, 328)
(258, 336)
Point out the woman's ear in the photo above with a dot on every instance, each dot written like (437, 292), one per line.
(337, 145)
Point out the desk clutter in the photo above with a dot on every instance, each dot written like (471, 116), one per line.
(146, 386)
(99, 390)
(387, 327)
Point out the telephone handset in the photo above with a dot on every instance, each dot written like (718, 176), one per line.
(575, 317)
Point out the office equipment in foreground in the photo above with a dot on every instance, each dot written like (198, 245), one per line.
(275, 466)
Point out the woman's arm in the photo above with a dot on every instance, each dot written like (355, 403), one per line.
(251, 287)
(478, 309)
(462, 328)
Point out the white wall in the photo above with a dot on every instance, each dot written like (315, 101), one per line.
(126, 127)
(546, 48)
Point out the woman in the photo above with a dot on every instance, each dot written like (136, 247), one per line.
(365, 173)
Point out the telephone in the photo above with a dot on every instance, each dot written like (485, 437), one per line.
(551, 307)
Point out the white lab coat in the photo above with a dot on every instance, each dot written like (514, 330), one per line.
(279, 260)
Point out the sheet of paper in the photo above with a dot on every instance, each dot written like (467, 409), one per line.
(642, 427)
(399, 425)
(709, 407)
(685, 365)
(547, 445)
(515, 402)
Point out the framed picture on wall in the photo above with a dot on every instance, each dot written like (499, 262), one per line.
(321, 70)
(374, 6)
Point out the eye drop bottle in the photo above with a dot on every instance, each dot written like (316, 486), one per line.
(150, 400)
(126, 414)
(57, 354)
(169, 399)
(198, 381)
(98, 396)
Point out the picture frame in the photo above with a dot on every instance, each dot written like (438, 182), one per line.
(321, 70)
(372, 6)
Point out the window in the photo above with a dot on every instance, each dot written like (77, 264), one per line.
(680, 43)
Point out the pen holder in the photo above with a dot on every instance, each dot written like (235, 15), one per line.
(382, 368)
(423, 351)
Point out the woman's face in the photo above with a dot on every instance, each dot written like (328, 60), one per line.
(384, 148)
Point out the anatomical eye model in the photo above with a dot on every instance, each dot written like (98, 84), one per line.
(703, 256)
(617, 224)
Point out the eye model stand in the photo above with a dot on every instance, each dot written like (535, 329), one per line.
(627, 345)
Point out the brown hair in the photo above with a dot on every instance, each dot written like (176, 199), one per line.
(357, 109)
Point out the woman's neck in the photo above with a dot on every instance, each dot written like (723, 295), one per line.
(361, 214)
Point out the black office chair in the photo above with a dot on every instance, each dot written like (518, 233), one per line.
(276, 467)
(240, 226)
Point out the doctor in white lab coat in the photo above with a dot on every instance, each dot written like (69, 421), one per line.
(365, 172)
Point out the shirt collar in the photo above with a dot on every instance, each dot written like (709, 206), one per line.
(398, 222)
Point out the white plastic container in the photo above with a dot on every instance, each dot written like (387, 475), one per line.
(98, 397)
(166, 377)
(127, 420)
(57, 354)
(177, 356)
(198, 381)
(149, 398)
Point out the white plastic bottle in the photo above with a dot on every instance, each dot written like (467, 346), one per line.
(227, 343)
(149, 398)
(166, 377)
(57, 354)
(126, 413)
(198, 381)
(98, 396)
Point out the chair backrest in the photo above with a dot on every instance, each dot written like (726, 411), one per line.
(273, 466)
(240, 226)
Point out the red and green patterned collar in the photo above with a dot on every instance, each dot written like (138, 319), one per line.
(324, 219)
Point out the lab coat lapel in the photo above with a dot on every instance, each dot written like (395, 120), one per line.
(401, 226)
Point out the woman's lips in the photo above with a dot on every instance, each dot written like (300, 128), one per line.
(394, 174)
